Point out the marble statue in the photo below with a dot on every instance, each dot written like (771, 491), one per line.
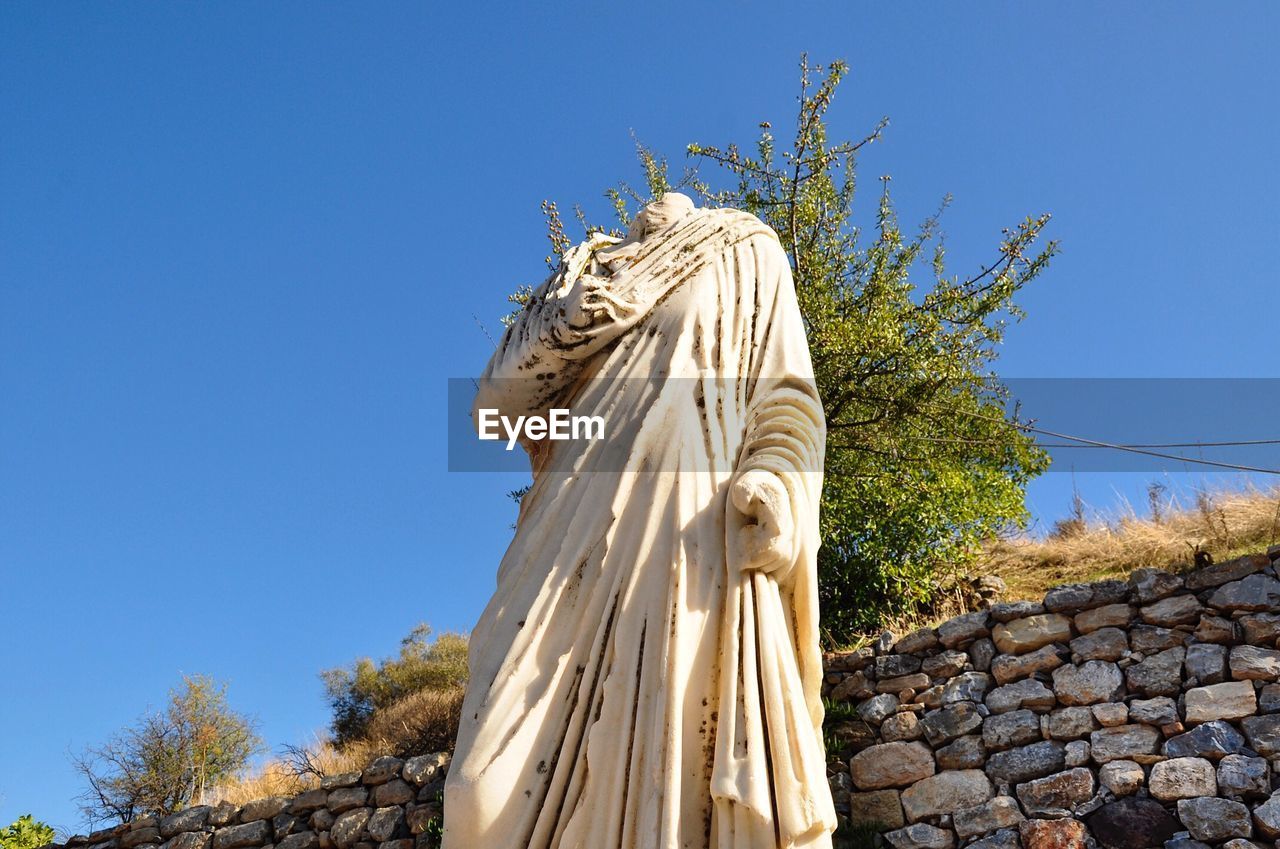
(647, 674)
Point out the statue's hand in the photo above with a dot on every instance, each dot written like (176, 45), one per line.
(762, 531)
(588, 303)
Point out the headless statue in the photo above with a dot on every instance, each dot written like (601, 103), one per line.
(647, 674)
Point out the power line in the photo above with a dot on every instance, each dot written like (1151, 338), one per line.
(1122, 445)
(1097, 443)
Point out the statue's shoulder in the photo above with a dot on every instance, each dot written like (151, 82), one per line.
(737, 219)
(742, 226)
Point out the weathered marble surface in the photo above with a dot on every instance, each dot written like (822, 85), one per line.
(647, 675)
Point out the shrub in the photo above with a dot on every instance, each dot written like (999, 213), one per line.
(358, 692)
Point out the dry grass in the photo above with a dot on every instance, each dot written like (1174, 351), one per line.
(424, 722)
(1221, 523)
(421, 723)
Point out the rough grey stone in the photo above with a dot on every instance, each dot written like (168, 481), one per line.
(891, 765)
(1225, 572)
(1255, 593)
(1024, 635)
(1056, 795)
(1005, 730)
(1025, 763)
(901, 726)
(1028, 693)
(255, 833)
(341, 779)
(1159, 711)
(1122, 777)
(308, 801)
(964, 753)
(1214, 820)
(875, 709)
(1263, 734)
(1076, 753)
(1182, 778)
(1215, 629)
(959, 631)
(1207, 663)
(1007, 611)
(896, 665)
(1092, 681)
(1269, 698)
(1158, 675)
(348, 828)
(191, 819)
(945, 664)
(1149, 639)
(300, 840)
(991, 815)
(140, 836)
(1267, 816)
(946, 724)
(1172, 611)
(1073, 598)
(345, 799)
(1005, 838)
(1011, 667)
(966, 687)
(1107, 616)
(1071, 723)
(1103, 644)
(920, 836)
(1129, 742)
(394, 792)
(1153, 584)
(1110, 714)
(263, 809)
(387, 824)
(188, 840)
(423, 768)
(916, 642)
(1250, 663)
(382, 770)
(1213, 740)
(980, 652)
(945, 792)
(1228, 700)
(1261, 628)
(1244, 777)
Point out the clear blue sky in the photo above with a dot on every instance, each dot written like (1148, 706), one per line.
(242, 246)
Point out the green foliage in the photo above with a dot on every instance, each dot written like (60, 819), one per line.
(357, 691)
(925, 457)
(166, 760)
(861, 835)
(25, 833)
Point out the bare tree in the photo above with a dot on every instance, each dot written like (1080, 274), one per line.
(167, 758)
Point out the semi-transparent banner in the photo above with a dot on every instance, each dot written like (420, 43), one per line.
(1084, 424)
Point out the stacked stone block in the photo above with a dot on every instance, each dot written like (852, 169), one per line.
(1128, 714)
(393, 804)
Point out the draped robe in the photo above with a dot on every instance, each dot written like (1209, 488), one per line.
(631, 687)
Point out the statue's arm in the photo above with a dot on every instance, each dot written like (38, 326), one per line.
(567, 319)
(779, 477)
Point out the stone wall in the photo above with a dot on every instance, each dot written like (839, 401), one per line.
(393, 804)
(1130, 714)
(1126, 714)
